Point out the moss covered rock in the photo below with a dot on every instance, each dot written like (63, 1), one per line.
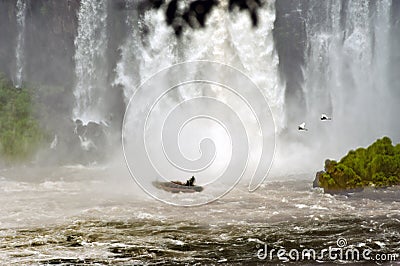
(376, 166)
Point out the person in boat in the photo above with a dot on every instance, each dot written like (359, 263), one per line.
(190, 182)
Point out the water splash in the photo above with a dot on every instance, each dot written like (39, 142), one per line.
(90, 61)
(19, 51)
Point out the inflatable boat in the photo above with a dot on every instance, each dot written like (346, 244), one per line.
(176, 187)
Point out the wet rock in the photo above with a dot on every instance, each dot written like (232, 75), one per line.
(77, 143)
(316, 180)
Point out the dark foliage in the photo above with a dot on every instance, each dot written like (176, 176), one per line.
(180, 13)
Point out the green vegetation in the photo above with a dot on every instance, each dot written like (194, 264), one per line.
(376, 166)
(20, 133)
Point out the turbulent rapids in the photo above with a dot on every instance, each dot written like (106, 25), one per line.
(90, 218)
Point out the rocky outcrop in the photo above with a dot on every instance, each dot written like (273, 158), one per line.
(77, 143)
(376, 166)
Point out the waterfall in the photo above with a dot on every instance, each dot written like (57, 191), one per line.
(227, 38)
(90, 61)
(19, 51)
(142, 56)
(346, 72)
(347, 59)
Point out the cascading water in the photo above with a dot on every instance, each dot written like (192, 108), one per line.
(256, 53)
(142, 56)
(346, 73)
(225, 39)
(19, 51)
(90, 61)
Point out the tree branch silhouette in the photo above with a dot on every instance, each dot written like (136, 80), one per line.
(193, 14)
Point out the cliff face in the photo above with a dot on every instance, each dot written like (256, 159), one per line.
(8, 29)
(49, 40)
(50, 32)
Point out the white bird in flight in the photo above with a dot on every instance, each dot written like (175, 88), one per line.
(302, 126)
(325, 117)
